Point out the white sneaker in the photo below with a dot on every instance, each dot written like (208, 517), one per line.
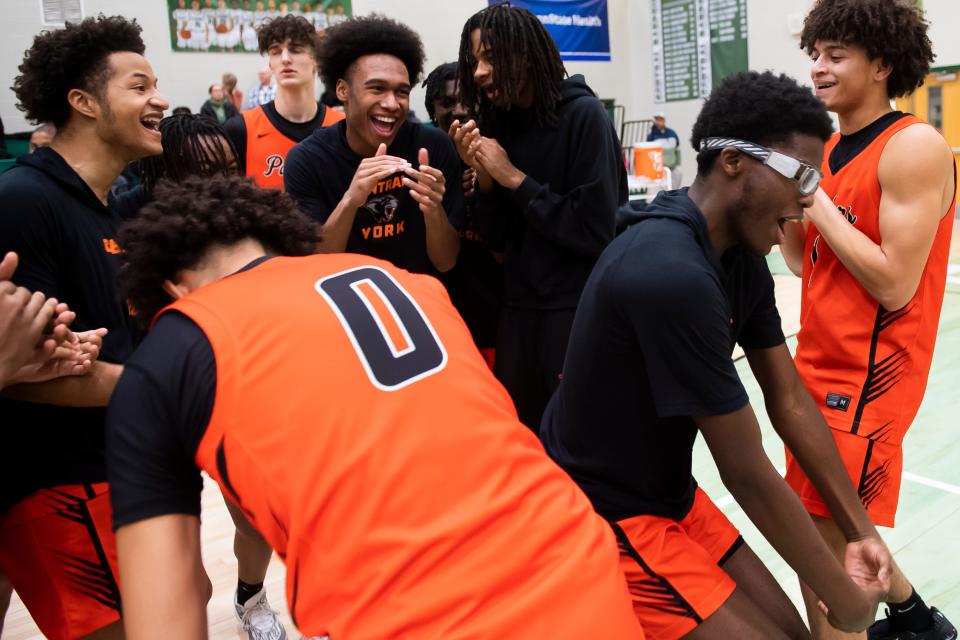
(258, 619)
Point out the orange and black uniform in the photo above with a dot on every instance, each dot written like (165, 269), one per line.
(262, 138)
(651, 349)
(350, 417)
(864, 365)
(55, 540)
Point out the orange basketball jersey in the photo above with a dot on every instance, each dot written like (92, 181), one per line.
(267, 147)
(360, 430)
(866, 366)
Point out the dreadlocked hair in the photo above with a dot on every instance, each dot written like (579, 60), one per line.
(436, 84)
(521, 52)
(176, 230)
(893, 31)
(188, 150)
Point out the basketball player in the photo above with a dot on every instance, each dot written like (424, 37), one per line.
(180, 17)
(195, 146)
(92, 82)
(264, 135)
(649, 366)
(550, 172)
(386, 467)
(377, 183)
(476, 282)
(873, 253)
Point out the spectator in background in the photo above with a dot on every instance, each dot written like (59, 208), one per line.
(671, 145)
(42, 136)
(217, 106)
(263, 92)
(234, 95)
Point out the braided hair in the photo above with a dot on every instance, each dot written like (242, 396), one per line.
(187, 151)
(522, 54)
(436, 84)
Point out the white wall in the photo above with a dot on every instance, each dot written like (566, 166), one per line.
(185, 77)
(770, 46)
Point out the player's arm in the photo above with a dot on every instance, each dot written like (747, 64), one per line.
(735, 443)
(915, 171)
(801, 426)
(154, 424)
(163, 579)
(89, 390)
(436, 194)
(794, 234)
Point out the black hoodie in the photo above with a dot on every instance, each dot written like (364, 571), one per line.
(66, 240)
(556, 224)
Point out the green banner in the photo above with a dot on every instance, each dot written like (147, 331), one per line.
(728, 38)
(696, 44)
(224, 26)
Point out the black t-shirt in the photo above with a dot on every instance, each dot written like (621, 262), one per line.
(156, 420)
(650, 349)
(475, 284)
(236, 128)
(66, 240)
(390, 226)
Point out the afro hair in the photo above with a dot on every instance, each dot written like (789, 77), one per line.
(364, 36)
(290, 27)
(75, 57)
(893, 31)
(184, 220)
(758, 107)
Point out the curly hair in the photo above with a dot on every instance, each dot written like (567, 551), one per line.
(436, 84)
(75, 57)
(758, 107)
(521, 52)
(187, 152)
(185, 220)
(364, 36)
(290, 27)
(893, 31)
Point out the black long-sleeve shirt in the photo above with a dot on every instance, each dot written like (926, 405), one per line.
(562, 216)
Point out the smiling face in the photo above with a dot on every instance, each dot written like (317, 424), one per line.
(483, 71)
(376, 99)
(768, 199)
(448, 107)
(292, 64)
(843, 75)
(131, 107)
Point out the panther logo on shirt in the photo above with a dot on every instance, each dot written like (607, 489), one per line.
(383, 209)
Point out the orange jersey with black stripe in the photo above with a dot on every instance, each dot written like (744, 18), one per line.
(364, 436)
(864, 365)
(267, 147)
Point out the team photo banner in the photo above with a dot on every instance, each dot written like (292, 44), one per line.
(225, 26)
(579, 27)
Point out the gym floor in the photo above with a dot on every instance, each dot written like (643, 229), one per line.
(925, 541)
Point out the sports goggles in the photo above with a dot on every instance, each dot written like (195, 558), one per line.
(806, 176)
